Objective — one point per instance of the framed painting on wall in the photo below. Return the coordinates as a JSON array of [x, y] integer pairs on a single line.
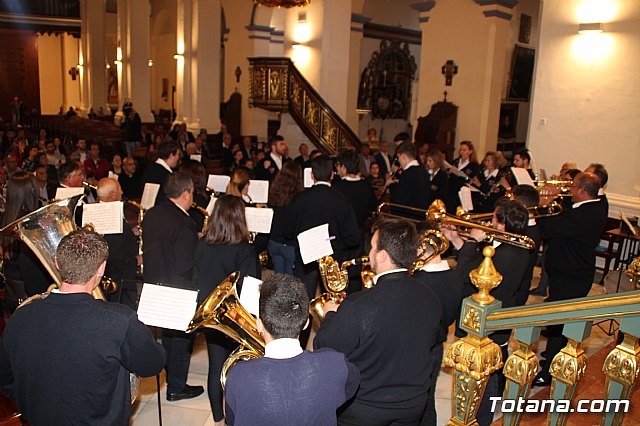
[[508, 120], [521, 73]]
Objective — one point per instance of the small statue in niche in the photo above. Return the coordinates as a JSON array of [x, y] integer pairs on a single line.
[[364, 90]]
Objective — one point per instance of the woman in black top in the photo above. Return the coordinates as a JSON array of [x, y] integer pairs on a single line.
[[201, 198], [438, 178], [286, 185], [488, 181], [223, 249]]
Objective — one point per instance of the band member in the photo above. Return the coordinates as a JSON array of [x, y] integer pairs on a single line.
[[599, 170], [447, 284], [158, 172], [70, 175], [370, 327], [223, 250], [66, 358], [170, 238], [130, 179], [570, 261], [511, 262], [354, 187], [268, 167], [123, 260], [438, 178], [288, 385], [522, 159], [412, 188], [488, 182]]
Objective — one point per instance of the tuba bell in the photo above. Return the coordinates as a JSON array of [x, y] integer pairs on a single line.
[[222, 311], [438, 243]]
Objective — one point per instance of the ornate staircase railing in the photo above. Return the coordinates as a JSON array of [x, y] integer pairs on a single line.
[[277, 85], [475, 356]]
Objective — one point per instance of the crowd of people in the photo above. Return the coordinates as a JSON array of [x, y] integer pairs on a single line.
[[376, 356]]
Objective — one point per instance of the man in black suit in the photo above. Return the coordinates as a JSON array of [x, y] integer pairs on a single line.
[[447, 284], [357, 190], [530, 197], [268, 167], [599, 170], [170, 238], [123, 260], [318, 205], [130, 179], [46, 191], [303, 159], [412, 187], [371, 327], [511, 262], [159, 172], [383, 159], [570, 261]]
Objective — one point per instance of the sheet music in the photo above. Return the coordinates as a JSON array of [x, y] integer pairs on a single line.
[[259, 191], [250, 294], [212, 202], [196, 157], [308, 180], [465, 198], [106, 218], [149, 195], [259, 219], [167, 307], [218, 182], [315, 243], [522, 176], [626, 220], [112, 175], [447, 166], [64, 193]]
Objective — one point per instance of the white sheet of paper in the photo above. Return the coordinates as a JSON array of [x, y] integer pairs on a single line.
[[522, 176], [259, 191], [106, 218], [196, 157], [149, 195], [64, 193], [212, 202], [250, 294], [315, 243], [471, 188], [465, 198], [308, 180], [626, 220], [259, 219], [218, 182], [167, 307], [112, 175], [448, 166]]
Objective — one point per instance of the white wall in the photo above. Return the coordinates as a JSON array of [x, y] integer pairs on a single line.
[[586, 94]]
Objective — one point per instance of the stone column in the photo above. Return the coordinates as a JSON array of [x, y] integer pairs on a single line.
[[133, 53], [92, 54]]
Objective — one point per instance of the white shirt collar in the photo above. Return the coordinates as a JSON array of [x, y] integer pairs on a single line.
[[277, 159], [390, 271], [180, 207], [352, 178], [532, 221], [494, 173], [164, 164], [443, 265], [411, 164], [600, 192], [576, 205], [321, 182], [463, 164], [432, 173], [495, 244], [282, 348]]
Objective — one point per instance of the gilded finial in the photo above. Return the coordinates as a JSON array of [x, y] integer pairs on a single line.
[[485, 278]]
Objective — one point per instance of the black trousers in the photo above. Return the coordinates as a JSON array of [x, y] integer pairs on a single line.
[[179, 346], [219, 347], [357, 414], [430, 417]]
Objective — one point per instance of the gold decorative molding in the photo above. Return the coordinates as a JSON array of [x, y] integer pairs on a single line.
[[569, 365], [471, 317], [522, 365], [485, 278], [623, 362]]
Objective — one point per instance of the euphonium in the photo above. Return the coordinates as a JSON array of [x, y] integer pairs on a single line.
[[438, 243], [366, 274], [222, 311], [335, 279], [205, 213], [438, 213]]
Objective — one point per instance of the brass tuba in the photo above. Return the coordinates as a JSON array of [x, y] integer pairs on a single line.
[[438, 213], [222, 311], [438, 243]]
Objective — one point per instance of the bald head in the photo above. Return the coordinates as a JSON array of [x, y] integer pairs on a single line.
[[585, 187], [109, 190]]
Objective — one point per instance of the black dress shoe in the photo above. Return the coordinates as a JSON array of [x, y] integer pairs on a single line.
[[540, 382], [187, 393]]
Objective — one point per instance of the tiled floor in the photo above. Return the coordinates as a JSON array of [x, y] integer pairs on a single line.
[[197, 411]]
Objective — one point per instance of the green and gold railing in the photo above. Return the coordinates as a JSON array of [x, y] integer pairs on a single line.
[[475, 356], [275, 84]]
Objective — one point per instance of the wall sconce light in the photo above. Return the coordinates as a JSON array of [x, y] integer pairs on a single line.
[[302, 30], [117, 62], [150, 62], [591, 28], [107, 65], [178, 56]]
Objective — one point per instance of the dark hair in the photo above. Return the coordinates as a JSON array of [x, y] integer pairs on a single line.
[[601, 172], [573, 173], [350, 160], [274, 140], [240, 177], [526, 194], [177, 183], [166, 148], [286, 185], [227, 224], [402, 136], [436, 155], [22, 196], [399, 239], [513, 214], [473, 158], [408, 149], [322, 168], [524, 154], [80, 254], [590, 182], [284, 306], [197, 173], [66, 169]]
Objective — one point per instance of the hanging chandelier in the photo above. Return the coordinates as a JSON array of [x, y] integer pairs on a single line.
[[282, 3]]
